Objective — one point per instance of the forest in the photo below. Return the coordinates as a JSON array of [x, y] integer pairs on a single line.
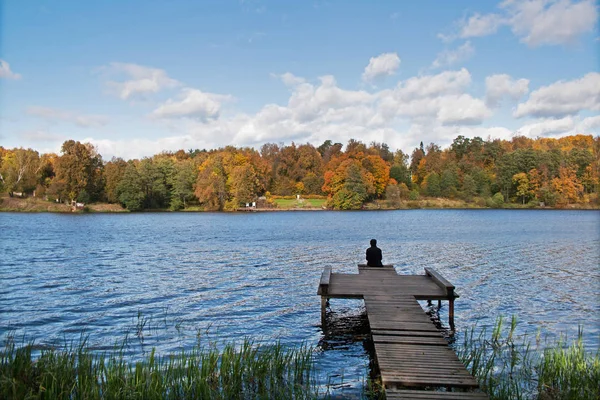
[[492, 173]]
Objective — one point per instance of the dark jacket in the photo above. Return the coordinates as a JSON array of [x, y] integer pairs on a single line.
[[374, 256]]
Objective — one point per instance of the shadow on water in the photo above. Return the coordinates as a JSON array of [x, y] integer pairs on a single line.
[[343, 327]]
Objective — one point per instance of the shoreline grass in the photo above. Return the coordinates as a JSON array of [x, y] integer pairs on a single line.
[[511, 368], [35, 205], [247, 371], [506, 366]]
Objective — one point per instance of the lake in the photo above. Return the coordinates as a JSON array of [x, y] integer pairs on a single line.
[[166, 280]]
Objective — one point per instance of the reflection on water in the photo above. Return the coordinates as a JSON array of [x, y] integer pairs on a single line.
[[229, 276]]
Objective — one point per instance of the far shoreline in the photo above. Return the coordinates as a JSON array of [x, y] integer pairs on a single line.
[[31, 205]]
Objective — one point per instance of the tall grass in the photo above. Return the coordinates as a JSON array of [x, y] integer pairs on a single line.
[[247, 371], [511, 368]]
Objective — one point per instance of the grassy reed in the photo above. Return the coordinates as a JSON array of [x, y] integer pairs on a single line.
[[247, 371], [507, 368]]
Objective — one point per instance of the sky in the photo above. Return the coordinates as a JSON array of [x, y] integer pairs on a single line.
[[136, 78]]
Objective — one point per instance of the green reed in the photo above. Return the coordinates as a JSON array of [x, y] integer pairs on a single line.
[[511, 368], [247, 371]]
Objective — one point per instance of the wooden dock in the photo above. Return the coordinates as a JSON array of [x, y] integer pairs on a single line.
[[409, 350]]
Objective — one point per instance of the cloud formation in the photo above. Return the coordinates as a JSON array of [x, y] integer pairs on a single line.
[[451, 57], [500, 86], [548, 127], [548, 22], [54, 115], [534, 22], [6, 73], [137, 80], [433, 107], [481, 25], [383, 65], [289, 79], [563, 98], [192, 103]]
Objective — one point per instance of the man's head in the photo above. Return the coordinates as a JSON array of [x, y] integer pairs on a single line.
[[373, 242]]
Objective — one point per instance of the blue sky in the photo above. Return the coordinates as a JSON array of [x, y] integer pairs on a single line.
[[139, 77]]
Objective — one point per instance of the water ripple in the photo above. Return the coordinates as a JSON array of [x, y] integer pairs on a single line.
[[167, 279]]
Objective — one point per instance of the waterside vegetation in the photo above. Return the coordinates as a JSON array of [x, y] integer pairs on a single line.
[[247, 371], [471, 172], [506, 366]]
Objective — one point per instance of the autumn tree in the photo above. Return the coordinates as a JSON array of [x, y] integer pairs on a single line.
[[469, 187], [431, 185], [449, 182], [348, 186], [211, 184], [590, 179], [130, 190], [378, 172], [113, 174], [328, 150], [243, 183], [18, 170], [567, 185], [80, 171], [416, 161], [521, 181], [182, 183], [382, 150], [399, 170]]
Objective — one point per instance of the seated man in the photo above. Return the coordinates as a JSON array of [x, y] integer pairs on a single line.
[[374, 256]]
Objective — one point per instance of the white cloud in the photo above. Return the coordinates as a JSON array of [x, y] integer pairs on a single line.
[[501, 85], [569, 125], [563, 98], [539, 22], [534, 22], [139, 80], [432, 108], [42, 136], [443, 135], [193, 103], [547, 127], [6, 73], [316, 112], [289, 79], [450, 57], [480, 25], [55, 114], [138, 148], [383, 65], [590, 124], [447, 82], [462, 110], [308, 102]]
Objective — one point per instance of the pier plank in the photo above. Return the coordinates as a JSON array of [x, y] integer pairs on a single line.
[[410, 351], [396, 394]]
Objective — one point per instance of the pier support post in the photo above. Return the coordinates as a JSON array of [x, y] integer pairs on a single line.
[[323, 290], [323, 311], [451, 313]]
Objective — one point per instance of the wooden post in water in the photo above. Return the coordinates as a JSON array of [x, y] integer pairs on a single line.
[[451, 313], [444, 284], [323, 291]]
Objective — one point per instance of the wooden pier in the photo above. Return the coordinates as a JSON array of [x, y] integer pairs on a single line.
[[409, 350]]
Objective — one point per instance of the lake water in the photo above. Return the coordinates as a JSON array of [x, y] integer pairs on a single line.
[[167, 278]]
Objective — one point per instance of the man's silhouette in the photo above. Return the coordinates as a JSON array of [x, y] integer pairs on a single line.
[[374, 256]]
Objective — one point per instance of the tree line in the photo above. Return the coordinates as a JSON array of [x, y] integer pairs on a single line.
[[490, 172]]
